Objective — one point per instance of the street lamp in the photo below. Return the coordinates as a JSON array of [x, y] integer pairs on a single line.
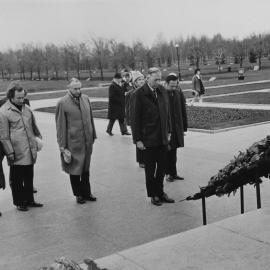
[[178, 61]]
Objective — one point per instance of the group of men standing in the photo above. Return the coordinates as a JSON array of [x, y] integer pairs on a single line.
[[158, 120], [156, 115]]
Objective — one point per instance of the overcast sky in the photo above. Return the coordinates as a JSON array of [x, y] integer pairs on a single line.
[[58, 21]]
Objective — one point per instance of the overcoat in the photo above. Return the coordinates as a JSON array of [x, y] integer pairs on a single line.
[[76, 132], [18, 132], [129, 105], [151, 121], [178, 117], [197, 85], [116, 106]]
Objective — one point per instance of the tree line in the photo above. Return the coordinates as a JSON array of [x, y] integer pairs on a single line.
[[82, 59]]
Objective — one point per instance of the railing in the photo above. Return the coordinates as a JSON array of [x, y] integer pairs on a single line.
[[242, 205]]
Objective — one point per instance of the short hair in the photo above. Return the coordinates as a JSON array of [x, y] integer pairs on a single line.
[[153, 70], [196, 70], [14, 86], [171, 77]]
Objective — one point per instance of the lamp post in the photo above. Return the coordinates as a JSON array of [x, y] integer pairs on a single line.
[[178, 61]]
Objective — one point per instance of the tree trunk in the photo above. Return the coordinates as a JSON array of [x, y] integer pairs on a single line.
[[101, 71], [47, 72], [260, 61]]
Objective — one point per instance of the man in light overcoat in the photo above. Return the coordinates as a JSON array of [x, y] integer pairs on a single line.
[[18, 135], [75, 136]]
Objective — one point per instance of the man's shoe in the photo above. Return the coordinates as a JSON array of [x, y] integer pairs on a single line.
[[22, 208], [34, 204], [165, 198], [156, 201], [126, 133], [177, 177], [80, 200], [90, 198], [169, 178], [34, 190], [110, 133]]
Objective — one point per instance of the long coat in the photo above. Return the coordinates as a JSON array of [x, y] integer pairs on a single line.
[[197, 85], [116, 107], [75, 132], [18, 132], [178, 117], [151, 122]]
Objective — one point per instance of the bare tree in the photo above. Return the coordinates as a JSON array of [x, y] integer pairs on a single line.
[[100, 53]]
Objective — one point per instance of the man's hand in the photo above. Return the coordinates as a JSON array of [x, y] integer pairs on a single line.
[[169, 136], [140, 145], [11, 157]]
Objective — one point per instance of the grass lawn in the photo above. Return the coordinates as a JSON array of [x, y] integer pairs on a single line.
[[199, 117], [39, 86], [103, 91], [249, 98], [232, 89]]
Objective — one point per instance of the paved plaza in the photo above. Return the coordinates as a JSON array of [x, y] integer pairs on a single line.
[[122, 217]]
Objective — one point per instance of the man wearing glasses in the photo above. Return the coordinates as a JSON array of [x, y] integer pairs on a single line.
[[179, 125], [151, 133]]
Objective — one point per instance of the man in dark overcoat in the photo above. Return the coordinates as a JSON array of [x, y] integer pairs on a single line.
[[179, 125], [76, 135], [151, 132], [116, 106]]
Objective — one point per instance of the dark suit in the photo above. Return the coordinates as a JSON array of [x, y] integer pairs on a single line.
[[116, 107], [179, 126], [151, 125]]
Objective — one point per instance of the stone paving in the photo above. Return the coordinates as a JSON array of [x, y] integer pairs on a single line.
[[122, 217]]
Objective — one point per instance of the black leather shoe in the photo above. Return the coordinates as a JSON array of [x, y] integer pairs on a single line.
[[90, 198], [156, 201], [177, 177], [165, 198], [110, 133], [34, 204], [126, 133], [169, 178], [22, 208], [80, 200]]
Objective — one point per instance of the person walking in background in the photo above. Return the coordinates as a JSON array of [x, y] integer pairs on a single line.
[[198, 89], [138, 81], [18, 132], [116, 106], [75, 136], [151, 132], [178, 125]]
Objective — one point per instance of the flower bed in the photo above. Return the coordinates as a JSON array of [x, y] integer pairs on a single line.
[[199, 117]]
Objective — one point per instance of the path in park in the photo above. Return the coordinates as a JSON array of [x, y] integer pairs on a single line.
[[122, 217]]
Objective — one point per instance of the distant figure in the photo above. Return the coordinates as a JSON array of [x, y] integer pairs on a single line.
[[76, 135], [197, 86], [116, 106], [18, 132], [179, 125], [151, 133]]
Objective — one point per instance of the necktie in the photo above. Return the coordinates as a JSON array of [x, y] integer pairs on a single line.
[[155, 93]]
